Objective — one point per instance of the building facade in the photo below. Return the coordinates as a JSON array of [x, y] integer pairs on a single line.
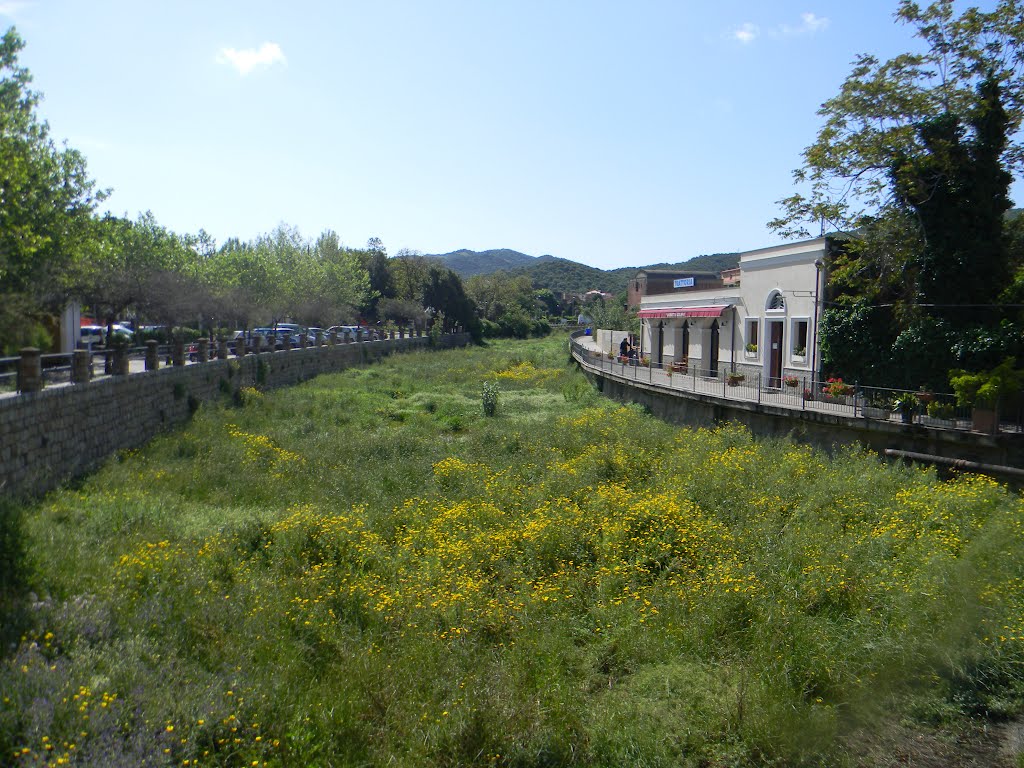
[[763, 321]]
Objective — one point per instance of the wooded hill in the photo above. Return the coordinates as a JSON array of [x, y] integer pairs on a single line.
[[564, 275]]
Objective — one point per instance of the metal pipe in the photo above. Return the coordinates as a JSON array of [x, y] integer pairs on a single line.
[[974, 466]]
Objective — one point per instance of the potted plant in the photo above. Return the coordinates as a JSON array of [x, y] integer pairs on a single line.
[[982, 391], [733, 378], [751, 349], [836, 387], [790, 381], [906, 405], [800, 352], [939, 414]]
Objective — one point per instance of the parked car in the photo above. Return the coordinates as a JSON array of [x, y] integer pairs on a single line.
[[96, 334], [277, 335], [345, 332]]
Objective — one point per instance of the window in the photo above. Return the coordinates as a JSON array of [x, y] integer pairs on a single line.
[[799, 337], [776, 302], [751, 335]]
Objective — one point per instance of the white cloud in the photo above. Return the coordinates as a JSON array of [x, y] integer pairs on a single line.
[[809, 24], [12, 7], [248, 59], [746, 33]]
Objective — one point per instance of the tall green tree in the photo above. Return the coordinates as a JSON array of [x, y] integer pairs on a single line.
[[912, 167], [46, 202]]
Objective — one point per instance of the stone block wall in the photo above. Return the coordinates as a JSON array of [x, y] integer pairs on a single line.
[[60, 432]]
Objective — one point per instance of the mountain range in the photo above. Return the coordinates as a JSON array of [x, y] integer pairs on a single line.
[[563, 275]]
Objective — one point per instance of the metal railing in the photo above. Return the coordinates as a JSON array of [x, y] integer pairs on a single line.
[[798, 392]]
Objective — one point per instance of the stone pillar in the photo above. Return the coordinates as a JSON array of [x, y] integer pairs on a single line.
[[222, 350], [333, 338], [319, 338], [120, 361], [257, 344], [303, 340], [287, 342], [152, 355], [204, 350], [240, 346], [81, 366], [30, 370], [178, 353]]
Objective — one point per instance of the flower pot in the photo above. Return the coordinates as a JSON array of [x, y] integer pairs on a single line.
[[985, 419]]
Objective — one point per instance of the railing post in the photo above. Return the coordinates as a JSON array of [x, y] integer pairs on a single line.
[[333, 338], [81, 366], [152, 355], [203, 350], [120, 361], [178, 353], [30, 370], [856, 394], [240, 346], [758, 387], [222, 349], [803, 395]]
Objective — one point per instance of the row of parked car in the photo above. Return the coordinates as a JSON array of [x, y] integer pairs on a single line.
[[96, 335]]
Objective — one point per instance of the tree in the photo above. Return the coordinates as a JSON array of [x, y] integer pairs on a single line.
[[882, 106], [46, 202], [912, 167]]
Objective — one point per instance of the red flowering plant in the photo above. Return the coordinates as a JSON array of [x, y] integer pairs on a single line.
[[836, 387]]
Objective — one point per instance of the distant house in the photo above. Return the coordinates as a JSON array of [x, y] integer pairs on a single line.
[[761, 319]]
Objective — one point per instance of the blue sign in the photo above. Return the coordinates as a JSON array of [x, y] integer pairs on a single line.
[[683, 282]]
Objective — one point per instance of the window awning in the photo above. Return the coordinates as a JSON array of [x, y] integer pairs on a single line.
[[715, 310]]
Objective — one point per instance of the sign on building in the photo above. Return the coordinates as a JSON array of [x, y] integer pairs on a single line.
[[683, 282]]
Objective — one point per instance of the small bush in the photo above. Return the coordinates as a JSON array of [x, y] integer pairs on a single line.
[[489, 396]]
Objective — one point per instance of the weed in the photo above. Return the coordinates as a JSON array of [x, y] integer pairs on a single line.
[[336, 575]]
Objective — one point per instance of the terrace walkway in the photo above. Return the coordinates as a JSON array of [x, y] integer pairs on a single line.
[[865, 417]]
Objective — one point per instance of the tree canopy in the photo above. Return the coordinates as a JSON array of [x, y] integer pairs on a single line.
[[46, 202], [912, 168]]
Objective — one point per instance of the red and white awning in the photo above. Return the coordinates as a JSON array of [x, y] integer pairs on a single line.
[[714, 310]]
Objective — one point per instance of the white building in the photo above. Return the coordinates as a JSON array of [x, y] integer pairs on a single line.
[[766, 323]]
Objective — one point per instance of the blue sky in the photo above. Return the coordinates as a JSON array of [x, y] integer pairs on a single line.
[[609, 133]]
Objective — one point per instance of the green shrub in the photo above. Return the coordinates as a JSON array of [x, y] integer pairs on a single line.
[[489, 396]]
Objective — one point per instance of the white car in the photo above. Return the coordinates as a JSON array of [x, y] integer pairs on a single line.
[[94, 334]]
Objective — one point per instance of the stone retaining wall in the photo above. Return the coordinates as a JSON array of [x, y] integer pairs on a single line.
[[64, 431]]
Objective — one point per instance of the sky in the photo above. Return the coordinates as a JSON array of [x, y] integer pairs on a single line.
[[610, 133]]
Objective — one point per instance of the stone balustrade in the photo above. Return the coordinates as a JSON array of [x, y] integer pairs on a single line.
[[51, 433]]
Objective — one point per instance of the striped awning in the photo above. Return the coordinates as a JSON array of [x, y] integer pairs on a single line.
[[715, 310]]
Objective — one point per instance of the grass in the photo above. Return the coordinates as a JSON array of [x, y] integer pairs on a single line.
[[366, 569]]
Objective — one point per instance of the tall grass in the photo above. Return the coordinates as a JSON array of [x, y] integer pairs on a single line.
[[367, 570]]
